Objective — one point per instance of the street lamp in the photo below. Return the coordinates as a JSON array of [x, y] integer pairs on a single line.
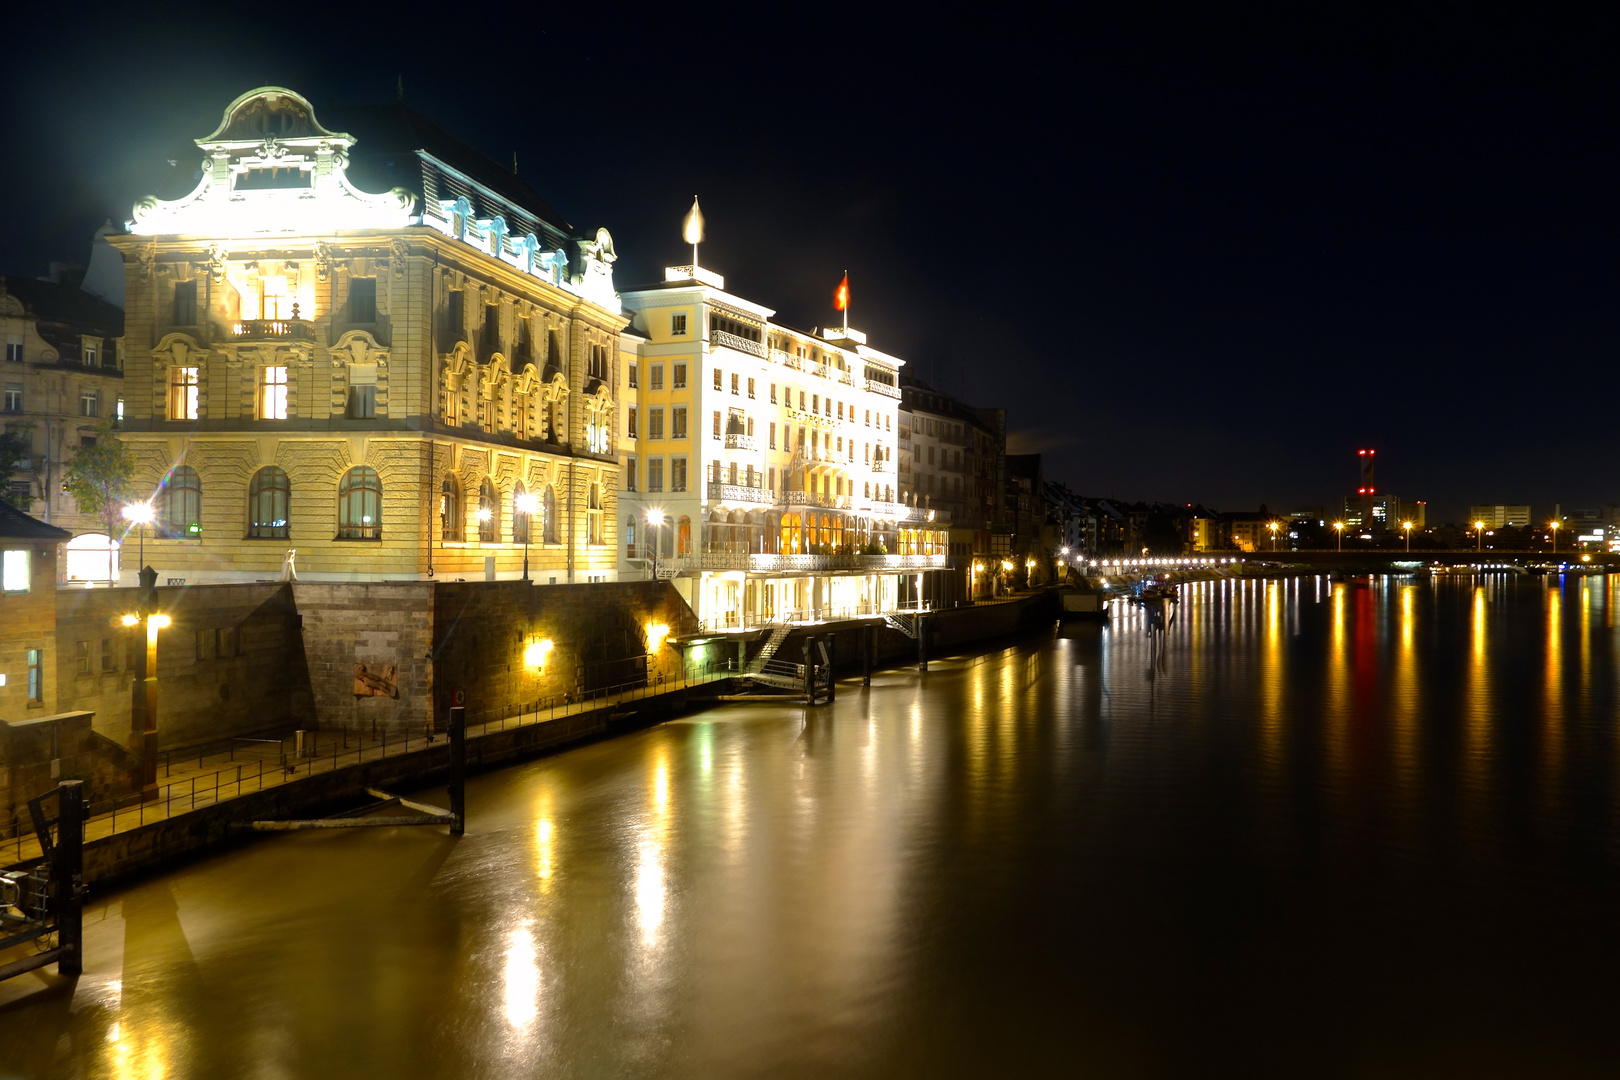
[[1272, 525], [1407, 525], [527, 505], [655, 518], [140, 515], [1553, 525], [1479, 536], [1338, 527], [143, 707]]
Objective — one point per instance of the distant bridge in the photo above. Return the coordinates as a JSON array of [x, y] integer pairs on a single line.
[[1382, 559]]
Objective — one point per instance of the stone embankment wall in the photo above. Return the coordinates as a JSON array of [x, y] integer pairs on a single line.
[[38, 753]]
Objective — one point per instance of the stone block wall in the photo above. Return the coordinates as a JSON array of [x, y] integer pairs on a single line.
[[38, 753], [230, 663], [345, 624]]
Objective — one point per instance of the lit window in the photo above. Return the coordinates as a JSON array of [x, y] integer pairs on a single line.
[[183, 393], [14, 571], [360, 504], [273, 393], [275, 302], [268, 495]]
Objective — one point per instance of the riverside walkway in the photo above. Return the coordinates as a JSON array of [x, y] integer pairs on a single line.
[[200, 779]]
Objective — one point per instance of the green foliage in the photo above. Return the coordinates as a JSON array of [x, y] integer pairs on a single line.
[[16, 445], [99, 477]]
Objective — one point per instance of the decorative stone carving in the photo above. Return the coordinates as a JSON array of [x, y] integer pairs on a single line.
[[217, 258], [323, 261], [400, 250], [146, 258]]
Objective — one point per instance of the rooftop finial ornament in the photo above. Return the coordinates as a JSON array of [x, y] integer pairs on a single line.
[[692, 230]]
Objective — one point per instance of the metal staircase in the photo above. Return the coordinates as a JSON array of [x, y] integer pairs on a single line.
[[774, 642], [906, 624]]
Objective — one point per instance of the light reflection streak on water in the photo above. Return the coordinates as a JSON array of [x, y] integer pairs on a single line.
[[520, 978], [650, 843], [1273, 679], [1552, 687], [1336, 706], [1406, 693]]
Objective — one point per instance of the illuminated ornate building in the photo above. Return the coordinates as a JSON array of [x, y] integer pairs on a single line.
[[764, 456], [369, 343]]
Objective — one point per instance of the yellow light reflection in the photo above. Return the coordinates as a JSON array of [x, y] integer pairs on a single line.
[[520, 981]]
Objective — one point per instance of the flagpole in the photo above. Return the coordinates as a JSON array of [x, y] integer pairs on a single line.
[[846, 303]]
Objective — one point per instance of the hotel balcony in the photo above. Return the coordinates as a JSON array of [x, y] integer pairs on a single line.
[[273, 330], [740, 494], [882, 388], [721, 339], [789, 564], [736, 440], [816, 498], [880, 465]]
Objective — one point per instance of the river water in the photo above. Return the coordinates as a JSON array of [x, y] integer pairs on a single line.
[[1362, 828]]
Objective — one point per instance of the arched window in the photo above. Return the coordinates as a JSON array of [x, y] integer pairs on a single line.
[[520, 520], [548, 516], [489, 513], [268, 498], [360, 504], [181, 510], [451, 516]]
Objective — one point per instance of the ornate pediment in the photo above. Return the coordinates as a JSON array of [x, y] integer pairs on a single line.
[[358, 347], [178, 350], [459, 360], [556, 389], [528, 380], [271, 168]]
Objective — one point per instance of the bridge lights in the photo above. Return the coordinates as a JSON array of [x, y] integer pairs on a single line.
[[1407, 527]]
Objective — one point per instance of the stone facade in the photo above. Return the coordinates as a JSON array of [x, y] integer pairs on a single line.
[[370, 380]]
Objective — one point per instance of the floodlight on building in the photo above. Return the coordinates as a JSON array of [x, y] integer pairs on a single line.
[[536, 653]]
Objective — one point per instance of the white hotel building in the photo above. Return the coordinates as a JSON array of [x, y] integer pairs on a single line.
[[760, 461]]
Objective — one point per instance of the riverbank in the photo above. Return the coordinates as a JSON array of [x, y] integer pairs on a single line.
[[208, 808]]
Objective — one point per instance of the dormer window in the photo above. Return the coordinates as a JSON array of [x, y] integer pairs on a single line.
[[272, 179]]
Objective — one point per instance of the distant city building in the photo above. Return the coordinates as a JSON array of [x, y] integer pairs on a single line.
[[64, 375], [1385, 510], [1499, 516]]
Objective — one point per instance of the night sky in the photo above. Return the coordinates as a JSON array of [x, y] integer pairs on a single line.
[[1199, 257]]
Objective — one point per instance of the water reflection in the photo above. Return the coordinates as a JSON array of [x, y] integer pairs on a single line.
[[1282, 843]]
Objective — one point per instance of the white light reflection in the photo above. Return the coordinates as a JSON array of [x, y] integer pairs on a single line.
[[520, 982]]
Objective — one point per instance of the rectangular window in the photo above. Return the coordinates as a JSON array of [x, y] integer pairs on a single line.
[[36, 675], [677, 474], [491, 339], [109, 659], [14, 571], [680, 376], [773, 436], [840, 410], [719, 379], [771, 483], [657, 380], [109, 354], [455, 314], [655, 423], [363, 300], [734, 383], [185, 303], [630, 422], [89, 355], [750, 387], [633, 383], [205, 644], [182, 393], [14, 349], [13, 397], [630, 473], [228, 641], [677, 325], [81, 658], [773, 393], [717, 423], [731, 474], [868, 417], [655, 474], [815, 402], [677, 422], [363, 402], [273, 393], [801, 401]]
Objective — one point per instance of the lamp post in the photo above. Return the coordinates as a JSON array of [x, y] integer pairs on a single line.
[[655, 518], [143, 705], [140, 515], [1338, 527], [527, 504], [1553, 525], [1407, 526], [1272, 525], [1479, 536]]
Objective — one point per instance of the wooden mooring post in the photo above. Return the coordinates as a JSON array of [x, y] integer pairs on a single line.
[[458, 770]]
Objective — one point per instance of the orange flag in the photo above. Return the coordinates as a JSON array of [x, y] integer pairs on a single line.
[[841, 295]]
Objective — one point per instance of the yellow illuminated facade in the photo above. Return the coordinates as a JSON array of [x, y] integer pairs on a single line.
[[764, 458], [375, 376]]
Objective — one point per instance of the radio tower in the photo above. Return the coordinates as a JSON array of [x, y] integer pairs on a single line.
[[1366, 488]]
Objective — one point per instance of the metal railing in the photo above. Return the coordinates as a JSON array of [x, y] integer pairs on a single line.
[[882, 388], [736, 440], [328, 751], [816, 498], [738, 343], [740, 493]]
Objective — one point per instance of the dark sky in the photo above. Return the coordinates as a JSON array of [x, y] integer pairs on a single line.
[[1196, 255]]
